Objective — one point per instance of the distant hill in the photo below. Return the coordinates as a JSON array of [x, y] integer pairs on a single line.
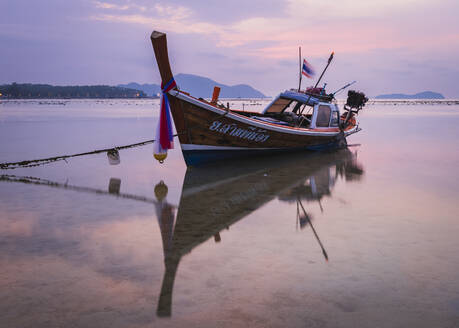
[[420, 95], [199, 86], [150, 89], [40, 91]]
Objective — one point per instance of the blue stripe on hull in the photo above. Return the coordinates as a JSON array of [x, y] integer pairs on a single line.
[[199, 157]]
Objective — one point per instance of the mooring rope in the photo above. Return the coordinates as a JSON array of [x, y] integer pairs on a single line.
[[43, 161], [53, 184]]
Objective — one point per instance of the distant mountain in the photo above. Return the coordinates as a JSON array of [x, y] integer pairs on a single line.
[[420, 95], [150, 89], [199, 86], [40, 91]]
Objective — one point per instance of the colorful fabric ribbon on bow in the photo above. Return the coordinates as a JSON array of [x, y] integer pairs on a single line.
[[164, 137]]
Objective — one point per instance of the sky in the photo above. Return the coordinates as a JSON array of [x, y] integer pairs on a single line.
[[388, 46]]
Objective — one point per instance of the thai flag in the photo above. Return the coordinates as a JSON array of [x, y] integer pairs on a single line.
[[307, 71]]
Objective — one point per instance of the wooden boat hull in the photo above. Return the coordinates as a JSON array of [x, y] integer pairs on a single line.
[[208, 133]]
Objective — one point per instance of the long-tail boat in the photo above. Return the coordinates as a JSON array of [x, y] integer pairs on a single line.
[[294, 120]]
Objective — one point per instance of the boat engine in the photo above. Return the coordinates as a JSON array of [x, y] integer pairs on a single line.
[[356, 100]]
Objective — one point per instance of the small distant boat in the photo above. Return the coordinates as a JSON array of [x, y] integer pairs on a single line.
[[294, 120]]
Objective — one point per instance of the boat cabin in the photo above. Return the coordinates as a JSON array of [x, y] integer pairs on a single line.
[[301, 110]]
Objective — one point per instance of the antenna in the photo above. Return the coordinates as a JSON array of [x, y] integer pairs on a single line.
[[301, 75], [328, 63], [346, 86]]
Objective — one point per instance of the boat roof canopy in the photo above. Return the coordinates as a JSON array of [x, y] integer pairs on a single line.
[[283, 100], [300, 97]]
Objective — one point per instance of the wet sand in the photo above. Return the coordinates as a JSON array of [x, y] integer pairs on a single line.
[[366, 237]]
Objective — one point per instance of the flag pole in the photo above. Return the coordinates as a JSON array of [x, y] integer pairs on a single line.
[[299, 59]]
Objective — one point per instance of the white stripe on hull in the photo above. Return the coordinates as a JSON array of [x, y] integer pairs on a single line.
[[206, 147], [187, 147]]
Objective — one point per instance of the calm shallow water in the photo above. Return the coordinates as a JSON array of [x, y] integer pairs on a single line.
[[86, 244]]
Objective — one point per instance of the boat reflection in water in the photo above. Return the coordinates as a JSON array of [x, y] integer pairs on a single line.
[[215, 197]]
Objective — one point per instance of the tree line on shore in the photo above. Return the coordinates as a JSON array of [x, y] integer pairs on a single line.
[[40, 91]]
